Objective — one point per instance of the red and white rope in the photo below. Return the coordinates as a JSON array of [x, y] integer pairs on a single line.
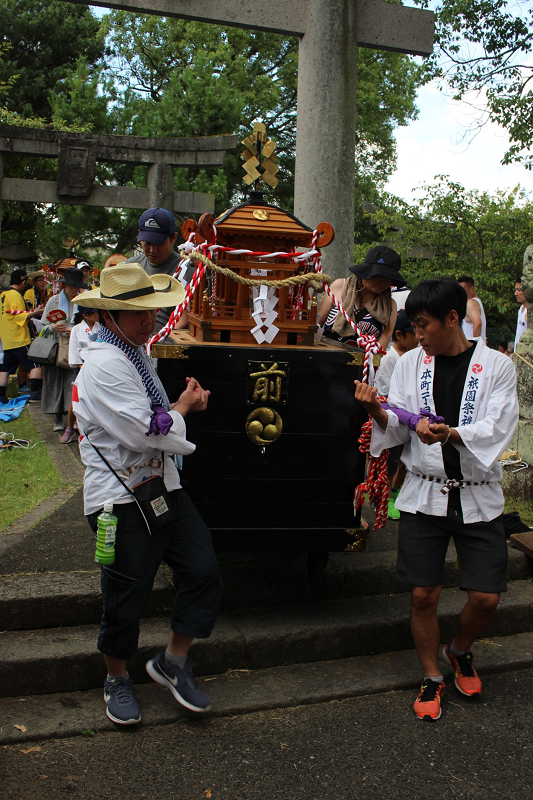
[[15, 313], [178, 311], [376, 483]]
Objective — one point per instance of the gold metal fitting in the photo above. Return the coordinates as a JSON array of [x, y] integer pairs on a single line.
[[359, 543]]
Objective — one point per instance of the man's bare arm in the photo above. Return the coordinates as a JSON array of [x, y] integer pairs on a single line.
[[472, 310], [367, 396]]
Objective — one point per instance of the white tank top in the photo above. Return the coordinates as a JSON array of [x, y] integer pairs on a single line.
[[521, 324], [468, 327]]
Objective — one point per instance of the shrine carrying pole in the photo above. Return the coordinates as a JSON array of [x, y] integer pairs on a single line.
[[330, 32]]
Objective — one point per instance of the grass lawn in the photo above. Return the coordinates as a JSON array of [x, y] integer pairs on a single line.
[[26, 476]]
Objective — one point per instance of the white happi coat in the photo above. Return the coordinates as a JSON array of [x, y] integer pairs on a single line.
[[488, 417], [113, 408]]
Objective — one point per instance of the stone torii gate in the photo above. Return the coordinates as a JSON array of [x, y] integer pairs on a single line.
[[77, 154], [330, 32]]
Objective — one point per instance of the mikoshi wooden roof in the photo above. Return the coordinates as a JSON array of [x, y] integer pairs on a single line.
[[263, 220]]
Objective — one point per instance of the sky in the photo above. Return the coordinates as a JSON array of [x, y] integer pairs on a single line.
[[431, 146]]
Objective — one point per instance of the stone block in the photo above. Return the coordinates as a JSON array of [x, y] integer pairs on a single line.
[[524, 439], [519, 484], [523, 361], [76, 166]]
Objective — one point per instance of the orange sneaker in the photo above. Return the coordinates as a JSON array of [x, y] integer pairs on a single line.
[[466, 677], [427, 704]]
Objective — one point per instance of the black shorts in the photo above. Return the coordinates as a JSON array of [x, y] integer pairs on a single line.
[[15, 357], [481, 549]]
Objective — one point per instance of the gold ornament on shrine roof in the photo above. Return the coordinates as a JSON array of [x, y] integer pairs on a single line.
[[70, 244], [259, 159]]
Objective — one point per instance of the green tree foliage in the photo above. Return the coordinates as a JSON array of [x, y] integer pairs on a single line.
[[46, 38], [484, 55], [450, 230], [41, 42]]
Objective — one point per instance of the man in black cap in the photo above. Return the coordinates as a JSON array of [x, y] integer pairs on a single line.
[[157, 235], [15, 334]]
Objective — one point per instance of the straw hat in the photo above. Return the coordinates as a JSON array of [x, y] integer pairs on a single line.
[[115, 260], [33, 275], [128, 287]]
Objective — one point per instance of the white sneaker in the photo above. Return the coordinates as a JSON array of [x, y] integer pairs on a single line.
[[58, 426]]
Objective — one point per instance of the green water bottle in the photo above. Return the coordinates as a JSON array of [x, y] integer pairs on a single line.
[[106, 536]]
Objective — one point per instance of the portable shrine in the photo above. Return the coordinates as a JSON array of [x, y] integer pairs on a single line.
[[277, 457]]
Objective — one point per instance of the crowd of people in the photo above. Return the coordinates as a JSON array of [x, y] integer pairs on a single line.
[[451, 409]]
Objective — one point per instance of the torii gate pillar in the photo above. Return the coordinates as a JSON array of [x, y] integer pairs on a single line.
[[325, 136]]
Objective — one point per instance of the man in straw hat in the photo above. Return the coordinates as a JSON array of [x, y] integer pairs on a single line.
[[35, 294], [125, 417]]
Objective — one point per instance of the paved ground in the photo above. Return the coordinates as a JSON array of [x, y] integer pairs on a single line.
[[367, 748]]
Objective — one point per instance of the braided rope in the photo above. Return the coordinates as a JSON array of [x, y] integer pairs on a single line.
[[376, 483], [315, 282]]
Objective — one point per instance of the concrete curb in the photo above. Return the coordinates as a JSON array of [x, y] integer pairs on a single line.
[[62, 599], [16, 532], [42, 661], [244, 691], [49, 600]]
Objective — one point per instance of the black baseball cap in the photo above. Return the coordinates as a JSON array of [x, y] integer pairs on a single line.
[[156, 225], [18, 275], [381, 260], [403, 323]]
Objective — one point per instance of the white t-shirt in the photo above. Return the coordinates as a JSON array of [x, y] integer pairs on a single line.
[[386, 368], [468, 327], [79, 342], [521, 324], [401, 295]]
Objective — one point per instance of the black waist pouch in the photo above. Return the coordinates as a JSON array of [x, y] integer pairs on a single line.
[[152, 498], [155, 503]]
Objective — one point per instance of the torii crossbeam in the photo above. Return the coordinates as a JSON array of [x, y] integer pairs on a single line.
[[330, 32]]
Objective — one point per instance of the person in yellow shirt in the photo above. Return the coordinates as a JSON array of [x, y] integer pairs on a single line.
[[15, 334]]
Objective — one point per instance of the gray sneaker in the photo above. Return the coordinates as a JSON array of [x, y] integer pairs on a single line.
[[122, 706], [180, 682]]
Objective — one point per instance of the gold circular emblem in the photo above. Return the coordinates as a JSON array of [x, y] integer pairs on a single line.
[[261, 213], [263, 426]]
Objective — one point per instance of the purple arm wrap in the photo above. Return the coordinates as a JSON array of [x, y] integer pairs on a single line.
[[411, 420], [160, 421]]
